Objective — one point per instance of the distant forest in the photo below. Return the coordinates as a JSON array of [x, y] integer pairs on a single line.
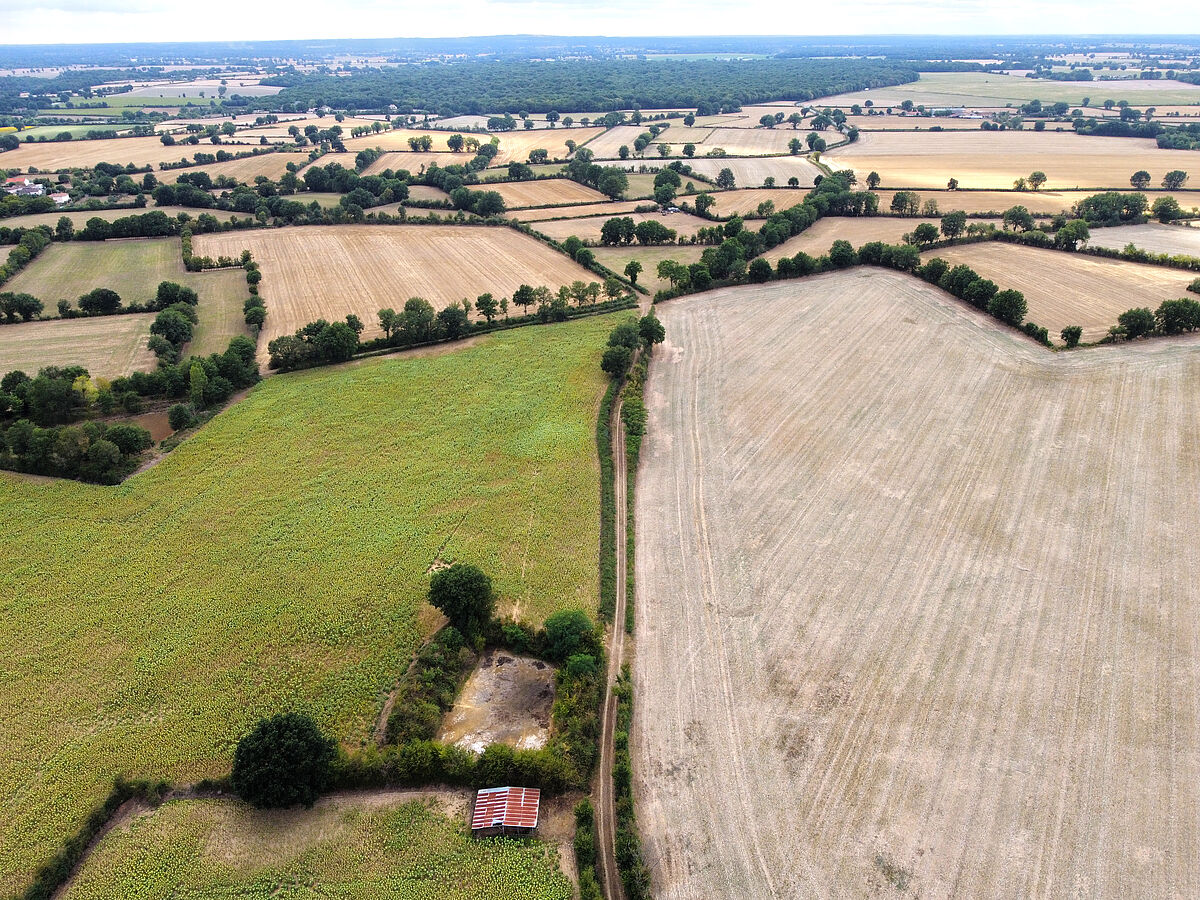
[[583, 85]]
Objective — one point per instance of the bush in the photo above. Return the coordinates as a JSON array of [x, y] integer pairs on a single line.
[[567, 633], [464, 595], [180, 416], [284, 761], [1137, 322], [1071, 335]]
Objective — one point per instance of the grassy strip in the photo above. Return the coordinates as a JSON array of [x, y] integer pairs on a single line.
[[634, 873], [55, 873], [608, 507], [633, 415]]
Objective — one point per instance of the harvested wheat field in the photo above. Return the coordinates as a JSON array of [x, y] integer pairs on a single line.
[[915, 617], [397, 139], [746, 202], [588, 229], [107, 346], [1172, 239], [752, 172], [397, 161], [515, 145], [994, 159], [53, 155], [1037, 202], [606, 144], [425, 192], [327, 272], [613, 208], [817, 238], [551, 192], [79, 217], [1071, 288], [751, 141], [245, 170]]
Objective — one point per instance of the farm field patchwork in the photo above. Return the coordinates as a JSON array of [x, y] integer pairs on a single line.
[[325, 272], [397, 161], [515, 145], [988, 690], [353, 847], [974, 89], [51, 156], [1071, 288], [323, 498], [106, 347], [994, 159]]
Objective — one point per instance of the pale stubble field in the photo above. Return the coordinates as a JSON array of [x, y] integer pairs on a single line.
[[915, 603]]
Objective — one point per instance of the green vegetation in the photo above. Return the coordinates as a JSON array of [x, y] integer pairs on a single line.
[[208, 848], [277, 561], [285, 761]]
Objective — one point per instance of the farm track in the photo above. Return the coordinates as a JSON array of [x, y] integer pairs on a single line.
[[606, 825]]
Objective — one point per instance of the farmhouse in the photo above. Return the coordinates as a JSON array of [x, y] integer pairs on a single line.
[[505, 810], [23, 187]]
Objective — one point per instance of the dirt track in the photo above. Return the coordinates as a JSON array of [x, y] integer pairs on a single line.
[[917, 610]]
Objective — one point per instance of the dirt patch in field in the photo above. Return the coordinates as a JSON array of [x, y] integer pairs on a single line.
[[506, 700], [156, 423]]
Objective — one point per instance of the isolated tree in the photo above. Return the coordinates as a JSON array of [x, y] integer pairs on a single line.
[[1137, 322], [464, 595], [872, 180], [1071, 335], [689, 149], [285, 761], [486, 306], [1018, 218], [623, 151], [953, 224], [1140, 179], [952, 184], [906, 203], [651, 329], [1175, 179], [180, 416], [1072, 234], [704, 202], [1036, 180], [99, 302], [633, 269], [725, 180], [1166, 209], [453, 321]]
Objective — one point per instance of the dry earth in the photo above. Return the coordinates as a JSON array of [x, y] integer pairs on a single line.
[[1154, 238], [327, 272], [915, 605], [608, 210], [507, 700], [994, 159], [1064, 289]]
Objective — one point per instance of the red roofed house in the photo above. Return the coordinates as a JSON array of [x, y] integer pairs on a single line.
[[505, 810]]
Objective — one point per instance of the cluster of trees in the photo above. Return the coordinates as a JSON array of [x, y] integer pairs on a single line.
[[608, 180], [623, 230], [19, 307], [1184, 137], [91, 451], [965, 283], [1171, 317], [32, 243], [316, 344], [626, 338], [602, 84], [173, 326]]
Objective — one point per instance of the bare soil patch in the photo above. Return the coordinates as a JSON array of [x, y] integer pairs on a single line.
[[922, 600], [506, 700]]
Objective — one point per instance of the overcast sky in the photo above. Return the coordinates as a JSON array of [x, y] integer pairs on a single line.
[[97, 21]]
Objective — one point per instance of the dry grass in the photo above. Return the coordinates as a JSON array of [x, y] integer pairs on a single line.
[[107, 347], [1154, 238], [272, 165], [752, 141], [51, 156], [613, 208], [80, 216], [817, 239], [412, 162], [1037, 202], [553, 192], [746, 202], [588, 229], [926, 598], [425, 192], [994, 159], [616, 258], [1071, 288], [327, 272], [752, 172], [515, 145], [606, 144]]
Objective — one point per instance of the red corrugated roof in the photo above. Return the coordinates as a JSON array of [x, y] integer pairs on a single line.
[[507, 807]]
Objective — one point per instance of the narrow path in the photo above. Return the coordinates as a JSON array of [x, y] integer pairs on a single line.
[[606, 827]]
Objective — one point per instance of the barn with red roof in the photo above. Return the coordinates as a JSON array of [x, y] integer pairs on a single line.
[[505, 810]]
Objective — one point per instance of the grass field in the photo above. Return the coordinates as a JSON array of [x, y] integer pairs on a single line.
[[1152, 237], [391, 847], [1071, 289], [927, 597], [946, 89], [108, 347], [327, 272], [588, 228], [517, 194], [994, 159], [616, 258], [280, 562], [52, 156]]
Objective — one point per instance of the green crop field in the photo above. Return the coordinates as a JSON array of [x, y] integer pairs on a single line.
[[403, 851], [133, 269], [278, 560]]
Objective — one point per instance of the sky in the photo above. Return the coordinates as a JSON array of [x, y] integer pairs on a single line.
[[107, 21]]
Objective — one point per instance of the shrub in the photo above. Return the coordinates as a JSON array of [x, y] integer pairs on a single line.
[[464, 595], [180, 416], [1071, 335], [1137, 322], [284, 761], [567, 633]]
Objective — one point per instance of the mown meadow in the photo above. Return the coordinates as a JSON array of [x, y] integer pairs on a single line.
[[409, 851], [278, 560]]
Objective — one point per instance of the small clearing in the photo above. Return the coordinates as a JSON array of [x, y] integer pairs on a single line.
[[506, 700]]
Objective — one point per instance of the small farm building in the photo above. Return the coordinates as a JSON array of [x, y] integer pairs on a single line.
[[505, 810]]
